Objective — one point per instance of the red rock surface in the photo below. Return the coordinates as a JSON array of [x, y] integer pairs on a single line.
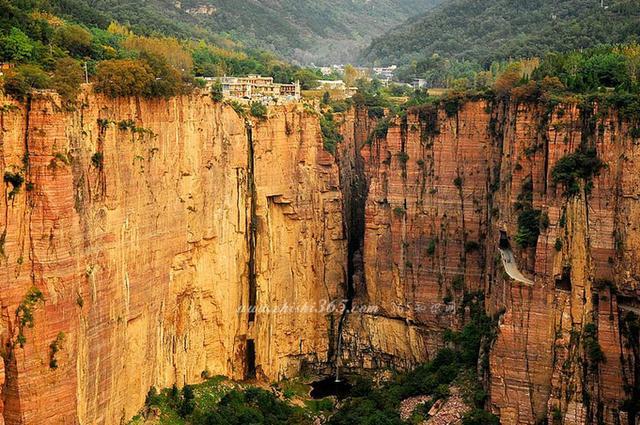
[[537, 362], [143, 262]]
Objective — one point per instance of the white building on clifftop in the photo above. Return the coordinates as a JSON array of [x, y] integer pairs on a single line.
[[258, 88]]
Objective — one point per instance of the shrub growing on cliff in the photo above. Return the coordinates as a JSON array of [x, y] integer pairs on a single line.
[[403, 157], [471, 246], [452, 104], [380, 131], [24, 312], [583, 164], [16, 181], [592, 346], [330, 134], [216, 92], [558, 244], [258, 110], [54, 347], [431, 247], [238, 107], [97, 160], [528, 228]]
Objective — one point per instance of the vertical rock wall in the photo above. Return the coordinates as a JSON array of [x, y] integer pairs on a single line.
[[144, 231], [133, 223], [442, 184]]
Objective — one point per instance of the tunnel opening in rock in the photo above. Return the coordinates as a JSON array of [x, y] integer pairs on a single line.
[[627, 303], [563, 282], [251, 359], [330, 387], [504, 240]]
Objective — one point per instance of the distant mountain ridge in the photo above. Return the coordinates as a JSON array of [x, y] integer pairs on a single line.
[[487, 30], [320, 31]]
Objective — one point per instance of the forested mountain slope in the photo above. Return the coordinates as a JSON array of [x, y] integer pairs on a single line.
[[489, 30], [321, 31]]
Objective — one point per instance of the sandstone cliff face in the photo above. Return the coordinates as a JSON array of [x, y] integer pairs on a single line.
[[144, 230], [140, 223], [418, 222], [441, 187]]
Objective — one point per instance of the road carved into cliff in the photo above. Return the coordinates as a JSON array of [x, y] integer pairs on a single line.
[[635, 310], [511, 267]]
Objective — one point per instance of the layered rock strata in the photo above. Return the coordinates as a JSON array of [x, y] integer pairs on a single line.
[[138, 239], [444, 185], [138, 234]]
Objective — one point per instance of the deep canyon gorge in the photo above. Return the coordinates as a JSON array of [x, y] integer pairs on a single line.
[[133, 230]]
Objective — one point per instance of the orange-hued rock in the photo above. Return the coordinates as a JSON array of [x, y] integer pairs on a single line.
[[438, 182], [300, 248], [135, 222], [149, 227], [425, 230]]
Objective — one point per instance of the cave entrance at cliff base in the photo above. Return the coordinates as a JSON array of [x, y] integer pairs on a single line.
[[330, 387], [251, 359]]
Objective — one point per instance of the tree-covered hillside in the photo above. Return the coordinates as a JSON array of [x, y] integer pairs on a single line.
[[321, 31], [484, 31], [47, 47]]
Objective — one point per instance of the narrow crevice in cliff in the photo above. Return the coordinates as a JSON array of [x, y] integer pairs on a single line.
[[354, 187], [248, 343], [29, 184], [252, 225]]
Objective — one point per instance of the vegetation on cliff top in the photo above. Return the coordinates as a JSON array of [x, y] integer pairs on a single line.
[[330, 132], [50, 52]]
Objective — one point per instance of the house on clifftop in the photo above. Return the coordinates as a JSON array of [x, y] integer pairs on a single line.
[[258, 89]]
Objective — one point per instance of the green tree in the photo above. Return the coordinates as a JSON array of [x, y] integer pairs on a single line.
[[326, 98], [350, 75], [167, 81], [188, 401], [16, 46], [74, 39], [20, 81], [216, 92], [67, 78], [258, 110], [124, 77], [308, 79]]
